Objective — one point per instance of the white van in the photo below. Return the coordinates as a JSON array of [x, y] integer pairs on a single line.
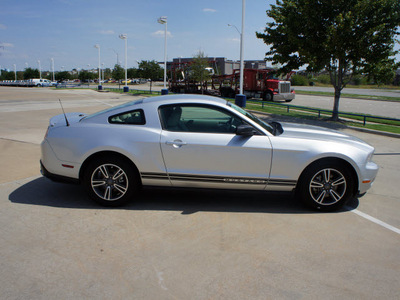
[[39, 82]]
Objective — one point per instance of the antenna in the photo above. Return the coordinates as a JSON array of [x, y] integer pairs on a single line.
[[65, 116]]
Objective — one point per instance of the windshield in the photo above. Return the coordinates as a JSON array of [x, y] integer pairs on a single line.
[[252, 117]]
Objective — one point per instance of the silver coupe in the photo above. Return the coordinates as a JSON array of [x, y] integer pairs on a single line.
[[203, 142]]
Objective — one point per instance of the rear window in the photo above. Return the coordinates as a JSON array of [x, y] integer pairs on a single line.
[[135, 117]]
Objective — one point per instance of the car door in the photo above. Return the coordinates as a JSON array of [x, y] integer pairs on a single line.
[[201, 149]]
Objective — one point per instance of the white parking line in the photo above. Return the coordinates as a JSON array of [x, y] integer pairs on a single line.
[[376, 221], [105, 103]]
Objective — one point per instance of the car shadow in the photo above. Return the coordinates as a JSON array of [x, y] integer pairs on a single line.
[[42, 191]]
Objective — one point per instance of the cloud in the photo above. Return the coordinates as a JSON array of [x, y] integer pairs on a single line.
[[2, 26], [107, 31], [211, 10], [160, 33], [6, 45]]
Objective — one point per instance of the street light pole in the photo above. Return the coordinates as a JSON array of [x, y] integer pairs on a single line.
[[15, 71], [115, 54], [40, 70], [52, 67], [240, 99], [100, 86], [125, 37], [241, 49], [163, 20]]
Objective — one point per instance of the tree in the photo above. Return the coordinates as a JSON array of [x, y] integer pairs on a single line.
[[344, 37], [118, 73], [30, 73], [5, 75], [133, 73], [107, 73], [61, 76], [198, 69], [85, 75], [150, 69]]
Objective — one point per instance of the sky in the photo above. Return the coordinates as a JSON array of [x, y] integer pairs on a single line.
[[68, 30]]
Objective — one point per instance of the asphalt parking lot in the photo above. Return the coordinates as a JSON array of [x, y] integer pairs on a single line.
[[178, 244]]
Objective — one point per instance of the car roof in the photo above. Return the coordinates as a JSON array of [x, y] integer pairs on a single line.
[[159, 100]]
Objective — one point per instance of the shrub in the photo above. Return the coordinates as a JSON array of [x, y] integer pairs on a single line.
[[299, 80], [324, 79]]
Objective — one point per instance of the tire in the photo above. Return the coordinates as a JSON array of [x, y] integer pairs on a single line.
[[268, 96], [111, 181], [326, 185]]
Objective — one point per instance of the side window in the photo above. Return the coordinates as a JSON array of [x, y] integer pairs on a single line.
[[198, 118], [135, 117]]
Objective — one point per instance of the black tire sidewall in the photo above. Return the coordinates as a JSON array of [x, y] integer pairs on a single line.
[[311, 171], [133, 181], [268, 96]]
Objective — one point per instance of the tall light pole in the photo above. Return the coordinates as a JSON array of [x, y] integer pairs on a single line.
[[15, 71], [240, 98], [52, 68], [115, 54], [97, 46], [241, 49], [40, 70], [124, 36], [163, 20]]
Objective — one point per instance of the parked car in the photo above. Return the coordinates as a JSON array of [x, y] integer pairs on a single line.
[[39, 82], [203, 142]]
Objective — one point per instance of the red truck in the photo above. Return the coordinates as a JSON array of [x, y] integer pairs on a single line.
[[257, 83]]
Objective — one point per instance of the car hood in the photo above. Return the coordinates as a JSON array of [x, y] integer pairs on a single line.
[[60, 120], [301, 131]]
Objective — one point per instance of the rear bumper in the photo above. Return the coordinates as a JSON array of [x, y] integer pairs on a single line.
[[55, 177]]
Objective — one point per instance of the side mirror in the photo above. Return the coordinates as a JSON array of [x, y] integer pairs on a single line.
[[245, 130]]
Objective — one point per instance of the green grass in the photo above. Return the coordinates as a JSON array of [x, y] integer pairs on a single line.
[[355, 96], [134, 92]]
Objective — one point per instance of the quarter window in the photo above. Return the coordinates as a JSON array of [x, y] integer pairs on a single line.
[[135, 117]]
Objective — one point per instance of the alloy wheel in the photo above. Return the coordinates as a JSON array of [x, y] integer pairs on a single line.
[[109, 182]]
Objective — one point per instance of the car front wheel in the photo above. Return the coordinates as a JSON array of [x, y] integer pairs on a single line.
[[111, 181], [326, 186]]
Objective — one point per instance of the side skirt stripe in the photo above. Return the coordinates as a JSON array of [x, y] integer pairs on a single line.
[[218, 179]]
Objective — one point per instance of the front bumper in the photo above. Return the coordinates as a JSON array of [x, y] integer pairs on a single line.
[[284, 97], [368, 177]]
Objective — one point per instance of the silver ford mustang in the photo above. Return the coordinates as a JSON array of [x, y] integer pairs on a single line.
[[203, 142]]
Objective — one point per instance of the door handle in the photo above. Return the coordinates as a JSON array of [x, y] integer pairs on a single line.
[[176, 143]]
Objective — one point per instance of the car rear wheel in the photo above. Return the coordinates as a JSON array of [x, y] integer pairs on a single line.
[[111, 181], [326, 186]]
